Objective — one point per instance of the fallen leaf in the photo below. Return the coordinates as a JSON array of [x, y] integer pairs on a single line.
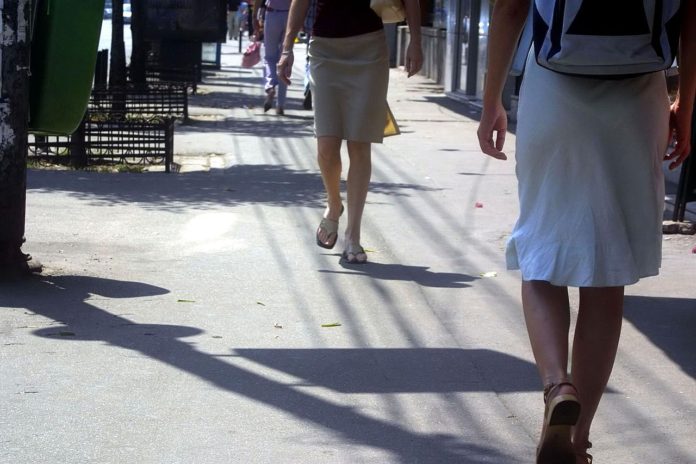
[[260, 304], [489, 274], [332, 324], [277, 325], [185, 301], [479, 204], [217, 336], [694, 250]]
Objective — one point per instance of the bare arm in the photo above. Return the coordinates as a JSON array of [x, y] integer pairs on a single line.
[[258, 4], [296, 18], [683, 107], [506, 26], [414, 52]]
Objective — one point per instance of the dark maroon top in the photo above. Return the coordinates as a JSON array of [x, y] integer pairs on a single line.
[[345, 18]]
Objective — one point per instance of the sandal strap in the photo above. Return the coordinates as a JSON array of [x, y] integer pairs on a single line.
[[329, 225], [582, 453], [548, 388]]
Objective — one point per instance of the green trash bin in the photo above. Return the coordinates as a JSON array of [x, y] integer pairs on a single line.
[[63, 56]]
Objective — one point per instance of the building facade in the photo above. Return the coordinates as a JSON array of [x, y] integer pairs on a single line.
[[455, 39], [466, 24]]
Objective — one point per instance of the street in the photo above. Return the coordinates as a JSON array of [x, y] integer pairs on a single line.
[[191, 318]]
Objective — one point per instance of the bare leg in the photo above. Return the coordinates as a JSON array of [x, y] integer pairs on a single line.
[[547, 315], [329, 158], [358, 182], [594, 350]]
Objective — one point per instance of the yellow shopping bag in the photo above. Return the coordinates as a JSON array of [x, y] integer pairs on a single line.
[[391, 127]]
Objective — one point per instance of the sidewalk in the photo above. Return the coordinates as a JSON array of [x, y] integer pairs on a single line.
[[190, 318]]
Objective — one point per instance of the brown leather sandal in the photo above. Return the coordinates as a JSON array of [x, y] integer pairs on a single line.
[[582, 456], [561, 414]]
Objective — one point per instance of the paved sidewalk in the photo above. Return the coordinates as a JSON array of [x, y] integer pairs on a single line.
[[190, 318]]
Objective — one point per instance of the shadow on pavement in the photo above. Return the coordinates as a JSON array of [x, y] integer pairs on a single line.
[[468, 110], [66, 299], [390, 370], [274, 185], [418, 274], [669, 323], [276, 127]]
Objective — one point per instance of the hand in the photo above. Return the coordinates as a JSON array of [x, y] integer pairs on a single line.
[[680, 133], [493, 119], [284, 68], [414, 58]]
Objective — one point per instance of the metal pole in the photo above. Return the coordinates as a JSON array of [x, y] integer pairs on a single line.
[[14, 111]]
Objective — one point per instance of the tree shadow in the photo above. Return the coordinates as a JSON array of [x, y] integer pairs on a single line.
[[275, 127], [273, 185], [670, 323], [418, 274], [232, 81], [389, 370], [236, 99], [67, 300]]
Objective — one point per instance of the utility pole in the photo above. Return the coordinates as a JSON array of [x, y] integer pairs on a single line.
[[14, 112], [117, 70], [140, 46]]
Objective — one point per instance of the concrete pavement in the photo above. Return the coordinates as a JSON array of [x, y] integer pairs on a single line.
[[190, 318]]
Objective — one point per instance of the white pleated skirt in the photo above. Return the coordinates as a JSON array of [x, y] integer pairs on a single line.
[[589, 166]]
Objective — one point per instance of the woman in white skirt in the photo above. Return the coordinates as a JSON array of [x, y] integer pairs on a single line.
[[589, 165], [349, 75]]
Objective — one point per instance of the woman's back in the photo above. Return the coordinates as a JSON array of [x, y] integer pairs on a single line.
[[345, 18]]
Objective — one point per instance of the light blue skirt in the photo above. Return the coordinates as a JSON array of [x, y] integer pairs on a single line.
[[589, 165]]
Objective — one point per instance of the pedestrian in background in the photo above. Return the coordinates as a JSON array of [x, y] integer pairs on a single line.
[[233, 19], [349, 75], [589, 165], [307, 28], [242, 13], [272, 16]]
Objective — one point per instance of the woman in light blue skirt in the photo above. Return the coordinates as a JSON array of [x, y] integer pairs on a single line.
[[589, 164]]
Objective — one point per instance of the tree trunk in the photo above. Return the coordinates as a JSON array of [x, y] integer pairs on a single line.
[[14, 111], [117, 71], [140, 45]]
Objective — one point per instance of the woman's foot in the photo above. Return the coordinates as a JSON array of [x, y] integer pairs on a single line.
[[561, 414], [354, 254], [327, 232], [280, 111]]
